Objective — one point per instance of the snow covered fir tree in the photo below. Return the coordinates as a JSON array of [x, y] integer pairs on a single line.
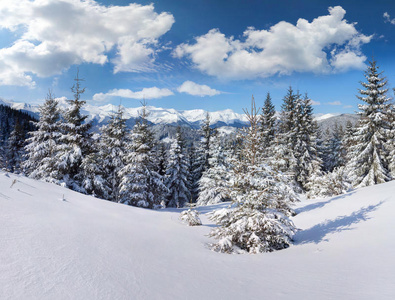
[[177, 173], [42, 144], [258, 219], [141, 184], [368, 157]]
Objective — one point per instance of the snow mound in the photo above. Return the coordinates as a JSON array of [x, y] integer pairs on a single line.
[[58, 244]]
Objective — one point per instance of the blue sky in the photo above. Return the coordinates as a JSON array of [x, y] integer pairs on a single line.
[[194, 54]]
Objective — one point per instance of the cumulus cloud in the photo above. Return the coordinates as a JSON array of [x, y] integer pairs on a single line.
[[52, 35], [328, 44], [195, 89], [387, 18], [335, 103], [145, 93]]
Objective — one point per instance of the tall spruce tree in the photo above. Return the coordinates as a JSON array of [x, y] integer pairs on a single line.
[[257, 219], [309, 163], [42, 144], [268, 122], [369, 155], [284, 157], [75, 141], [214, 183], [201, 156], [15, 148], [177, 173], [141, 184], [112, 151]]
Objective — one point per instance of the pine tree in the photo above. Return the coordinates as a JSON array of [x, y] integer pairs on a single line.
[[306, 152], [42, 143], [112, 150], [177, 173], [268, 122], [214, 183], [76, 141], [141, 185], [335, 149], [201, 155], [257, 220], [391, 142], [368, 156], [94, 180], [15, 149], [284, 159]]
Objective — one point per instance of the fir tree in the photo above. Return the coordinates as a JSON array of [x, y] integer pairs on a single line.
[[112, 150], [214, 183], [368, 156], [177, 173], [76, 141], [201, 156], [141, 185], [306, 152], [257, 221], [94, 176], [268, 121], [42, 143], [285, 160], [15, 149]]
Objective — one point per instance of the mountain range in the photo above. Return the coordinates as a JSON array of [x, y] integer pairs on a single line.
[[99, 115]]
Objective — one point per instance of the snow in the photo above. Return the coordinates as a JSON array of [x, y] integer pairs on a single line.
[[157, 115], [320, 117], [86, 248]]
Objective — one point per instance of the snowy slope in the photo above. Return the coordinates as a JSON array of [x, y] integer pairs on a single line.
[[85, 248]]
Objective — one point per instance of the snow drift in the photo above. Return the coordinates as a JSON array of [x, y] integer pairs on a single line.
[[58, 244]]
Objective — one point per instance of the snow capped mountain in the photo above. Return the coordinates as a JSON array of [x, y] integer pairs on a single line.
[[158, 116], [168, 116], [320, 117]]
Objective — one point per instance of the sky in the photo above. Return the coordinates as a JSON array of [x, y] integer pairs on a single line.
[[195, 54]]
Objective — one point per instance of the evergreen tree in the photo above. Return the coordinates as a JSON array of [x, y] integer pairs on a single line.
[[257, 220], [15, 149], [201, 155], [112, 150], [177, 173], [284, 156], [306, 152], [141, 185], [42, 143], [335, 149], [94, 180], [214, 183], [369, 155], [76, 141], [268, 122]]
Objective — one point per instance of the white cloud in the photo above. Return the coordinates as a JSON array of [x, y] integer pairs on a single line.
[[57, 34], [145, 93], [315, 103], [335, 103], [327, 44], [195, 89], [387, 18]]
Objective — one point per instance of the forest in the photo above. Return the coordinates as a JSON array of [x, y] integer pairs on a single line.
[[262, 170]]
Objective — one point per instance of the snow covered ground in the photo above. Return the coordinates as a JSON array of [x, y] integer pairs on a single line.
[[85, 248]]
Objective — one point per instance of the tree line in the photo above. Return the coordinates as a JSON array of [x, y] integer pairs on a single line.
[[260, 170]]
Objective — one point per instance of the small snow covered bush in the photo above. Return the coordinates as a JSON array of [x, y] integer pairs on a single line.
[[191, 217], [330, 184]]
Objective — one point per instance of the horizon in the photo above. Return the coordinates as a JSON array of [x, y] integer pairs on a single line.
[[209, 55]]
